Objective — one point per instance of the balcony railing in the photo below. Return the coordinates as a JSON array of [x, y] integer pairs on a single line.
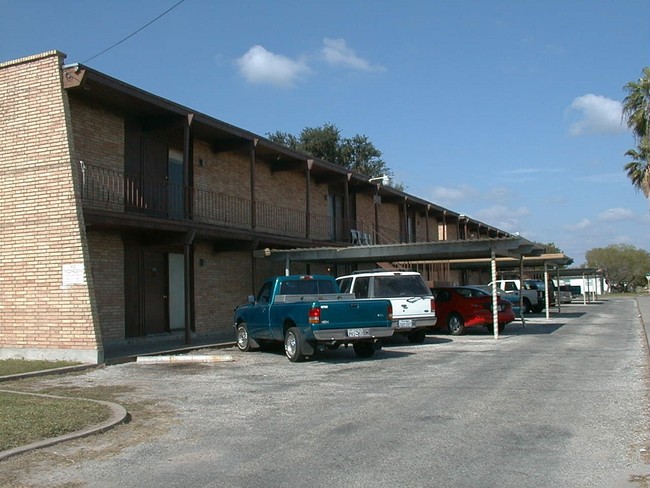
[[115, 191]]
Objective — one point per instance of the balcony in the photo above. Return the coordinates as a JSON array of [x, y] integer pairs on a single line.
[[116, 192]]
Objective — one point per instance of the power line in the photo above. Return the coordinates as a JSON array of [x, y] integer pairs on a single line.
[[134, 33]]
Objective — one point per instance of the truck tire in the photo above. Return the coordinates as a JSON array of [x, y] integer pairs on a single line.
[[243, 338], [293, 345], [455, 324], [527, 306], [417, 336], [364, 349]]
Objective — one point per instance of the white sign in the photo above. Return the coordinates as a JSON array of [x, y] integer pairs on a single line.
[[73, 274]]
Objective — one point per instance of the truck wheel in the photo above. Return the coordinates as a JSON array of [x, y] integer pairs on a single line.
[[417, 336], [455, 324], [243, 338], [293, 345], [527, 306], [364, 349]]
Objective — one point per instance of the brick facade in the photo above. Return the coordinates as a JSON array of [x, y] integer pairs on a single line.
[[47, 305], [76, 247]]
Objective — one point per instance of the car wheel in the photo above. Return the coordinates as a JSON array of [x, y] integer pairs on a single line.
[[293, 345], [243, 338], [455, 324], [417, 336], [364, 349]]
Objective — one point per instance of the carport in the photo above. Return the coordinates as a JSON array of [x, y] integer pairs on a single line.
[[514, 248], [530, 263]]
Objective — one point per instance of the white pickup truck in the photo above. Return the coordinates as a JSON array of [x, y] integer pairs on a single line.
[[534, 294], [414, 312]]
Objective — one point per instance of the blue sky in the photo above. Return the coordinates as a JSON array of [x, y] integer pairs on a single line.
[[507, 111]]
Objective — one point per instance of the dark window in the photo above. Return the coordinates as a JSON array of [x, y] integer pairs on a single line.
[[361, 286]]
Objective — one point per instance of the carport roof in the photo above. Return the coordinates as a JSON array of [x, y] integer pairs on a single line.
[[512, 247], [553, 259]]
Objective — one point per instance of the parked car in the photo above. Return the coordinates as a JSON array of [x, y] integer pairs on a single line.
[[512, 297], [414, 311], [534, 294], [460, 307], [563, 294]]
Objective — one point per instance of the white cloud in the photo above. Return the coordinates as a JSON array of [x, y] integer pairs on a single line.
[[261, 66], [598, 115], [337, 53], [616, 215], [582, 225], [505, 218], [446, 195]]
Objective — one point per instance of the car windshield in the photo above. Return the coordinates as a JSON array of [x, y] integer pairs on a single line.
[[400, 286], [472, 292]]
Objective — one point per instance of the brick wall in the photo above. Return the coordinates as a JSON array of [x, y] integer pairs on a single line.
[[221, 281], [47, 309], [98, 135], [107, 268]]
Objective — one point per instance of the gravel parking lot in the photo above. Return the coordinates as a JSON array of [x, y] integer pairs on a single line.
[[560, 402]]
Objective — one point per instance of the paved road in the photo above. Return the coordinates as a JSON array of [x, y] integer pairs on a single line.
[[559, 403]]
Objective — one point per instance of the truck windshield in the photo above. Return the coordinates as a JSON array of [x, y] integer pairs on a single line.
[[308, 287], [400, 286]]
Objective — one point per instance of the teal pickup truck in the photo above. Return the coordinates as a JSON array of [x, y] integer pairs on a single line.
[[309, 314]]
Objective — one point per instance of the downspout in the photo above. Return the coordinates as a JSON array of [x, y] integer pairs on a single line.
[[310, 163], [405, 226], [187, 247], [426, 221], [188, 169], [252, 183], [187, 258], [346, 206]]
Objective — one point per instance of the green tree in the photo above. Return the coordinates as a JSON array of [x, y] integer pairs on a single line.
[[623, 265], [550, 248], [357, 153], [636, 111]]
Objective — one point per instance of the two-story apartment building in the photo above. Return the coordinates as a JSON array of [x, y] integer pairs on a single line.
[[126, 216]]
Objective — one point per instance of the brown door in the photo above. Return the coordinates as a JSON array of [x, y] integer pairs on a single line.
[[154, 178], [155, 292]]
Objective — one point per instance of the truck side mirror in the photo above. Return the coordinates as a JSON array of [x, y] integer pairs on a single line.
[[251, 298]]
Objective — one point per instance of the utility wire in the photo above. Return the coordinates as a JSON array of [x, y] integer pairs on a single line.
[[134, 33]]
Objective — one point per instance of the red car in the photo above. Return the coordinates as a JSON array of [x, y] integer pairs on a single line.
[[460, 307]]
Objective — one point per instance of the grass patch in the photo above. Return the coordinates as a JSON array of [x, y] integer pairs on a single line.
[[26, 418], [17, 366]]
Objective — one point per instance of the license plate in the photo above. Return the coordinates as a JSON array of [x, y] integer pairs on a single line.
[[358, 332], [405, 324]]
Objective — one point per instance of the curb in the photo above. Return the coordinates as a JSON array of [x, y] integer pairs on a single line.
[[118, 416], [184, 359], [44, 372]]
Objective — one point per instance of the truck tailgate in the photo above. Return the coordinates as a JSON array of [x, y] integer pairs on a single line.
[[354, 314]]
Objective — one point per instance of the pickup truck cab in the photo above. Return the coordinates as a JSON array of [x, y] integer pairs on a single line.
[[414, 312], [533, 293], [308, 314]]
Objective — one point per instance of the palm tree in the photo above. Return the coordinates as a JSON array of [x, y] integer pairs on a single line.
[[636, 110], [638, 170]]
